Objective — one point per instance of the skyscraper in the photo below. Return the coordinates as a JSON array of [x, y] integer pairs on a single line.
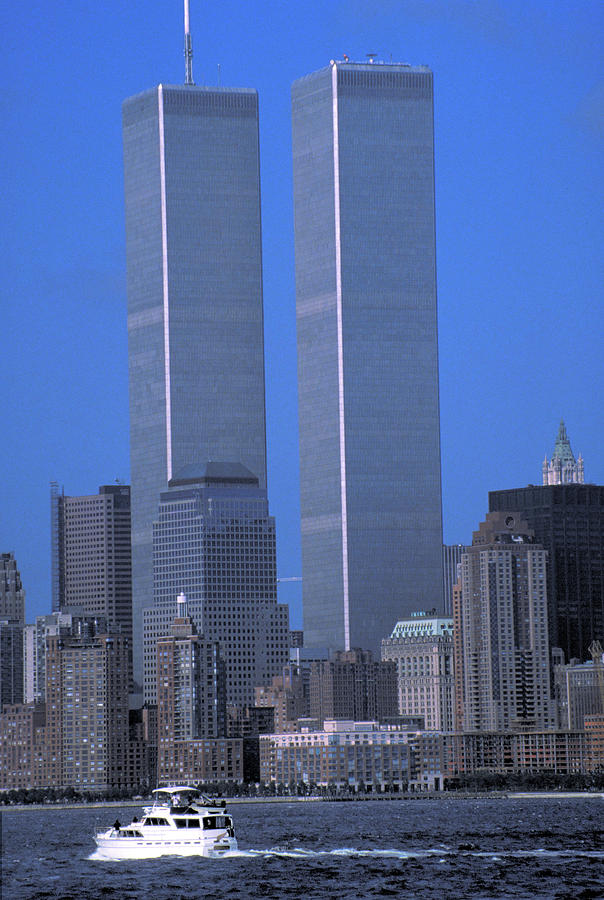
[[194, 280], [363, 148], [568, 521], [92, 556], [214, 541], [502, 622]]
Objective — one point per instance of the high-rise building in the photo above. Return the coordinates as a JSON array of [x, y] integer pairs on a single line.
[[11, 662], [422, 648], [87, 710], [352, 685], [194, 281], [568, 521], [363, 148], [69, 622], [563, 468], [12, 594], [504, 635], [287, 696], [451, 571], [191, 700], [214, 541], [92, 556]]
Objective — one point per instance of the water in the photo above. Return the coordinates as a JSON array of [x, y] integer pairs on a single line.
[[444, 848]]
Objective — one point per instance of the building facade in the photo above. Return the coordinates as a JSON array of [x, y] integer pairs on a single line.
[[87, 733], [91, 555], [451, 572], [191, 699], [568, 521], [352, 685], [363, 153], [288, 696], [194, 282], [422, 648], [504, 630], [214, 541], [563, 468], [352, 756], [12, 594]]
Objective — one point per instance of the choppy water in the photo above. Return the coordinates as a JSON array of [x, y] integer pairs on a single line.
[[542, 848]]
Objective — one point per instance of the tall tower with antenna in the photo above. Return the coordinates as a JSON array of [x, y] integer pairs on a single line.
[[188, 48], [194, 282]]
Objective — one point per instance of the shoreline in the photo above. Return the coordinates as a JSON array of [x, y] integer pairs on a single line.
[[435, 795]]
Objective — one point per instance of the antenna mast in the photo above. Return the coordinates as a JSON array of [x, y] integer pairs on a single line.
[[188, 48]]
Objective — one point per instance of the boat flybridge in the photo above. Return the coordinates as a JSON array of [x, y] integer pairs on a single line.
[[181, 822]]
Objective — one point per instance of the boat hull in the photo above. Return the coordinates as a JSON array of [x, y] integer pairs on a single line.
[[111, 847]]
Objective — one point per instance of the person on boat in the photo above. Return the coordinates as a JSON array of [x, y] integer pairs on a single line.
[[116, 825]]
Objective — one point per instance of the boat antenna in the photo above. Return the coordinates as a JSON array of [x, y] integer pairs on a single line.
[[188, 48]]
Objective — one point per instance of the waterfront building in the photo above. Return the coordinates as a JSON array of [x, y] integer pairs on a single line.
[[363, 160], [194, 284], [422, 648], [568, 522], [563, 468], [351, 756], [352, 685], [87, 711], [91, 554], [504, 629], [579, 692], [507, 753], [214, 541]]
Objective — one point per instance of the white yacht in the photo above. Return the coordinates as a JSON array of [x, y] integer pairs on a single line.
[[181, 822]]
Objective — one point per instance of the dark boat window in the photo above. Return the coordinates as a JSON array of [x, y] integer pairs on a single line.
[[209, 822], [180, 823], [193, 823]]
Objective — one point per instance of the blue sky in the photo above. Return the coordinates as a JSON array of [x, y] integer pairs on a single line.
[[519, 102]]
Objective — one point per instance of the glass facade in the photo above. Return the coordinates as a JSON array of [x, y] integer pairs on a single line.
[[195, 318], [215, 542], [363, 149]]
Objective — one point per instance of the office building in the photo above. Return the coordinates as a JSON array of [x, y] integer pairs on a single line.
[[12, 594], [91, 561], [214, 541], [568, 522], [504, 633], [422, 648], [579, 692], [363, 153], [563, 468], [351, 685], [194, 283]]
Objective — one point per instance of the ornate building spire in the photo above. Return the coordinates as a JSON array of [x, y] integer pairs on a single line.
[[563, 468]]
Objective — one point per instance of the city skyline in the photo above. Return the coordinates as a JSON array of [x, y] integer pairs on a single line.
[[518, 233]]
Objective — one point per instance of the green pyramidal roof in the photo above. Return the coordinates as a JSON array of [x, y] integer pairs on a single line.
[[562, 449]]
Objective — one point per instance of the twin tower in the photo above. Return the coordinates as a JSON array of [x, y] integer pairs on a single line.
[[363, 148]]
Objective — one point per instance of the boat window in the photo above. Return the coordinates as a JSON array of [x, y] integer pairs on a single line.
[[193, 823], [180, 823], [209, 822], [153, 820]]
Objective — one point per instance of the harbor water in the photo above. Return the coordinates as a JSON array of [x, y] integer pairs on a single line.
[[454, 848]]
